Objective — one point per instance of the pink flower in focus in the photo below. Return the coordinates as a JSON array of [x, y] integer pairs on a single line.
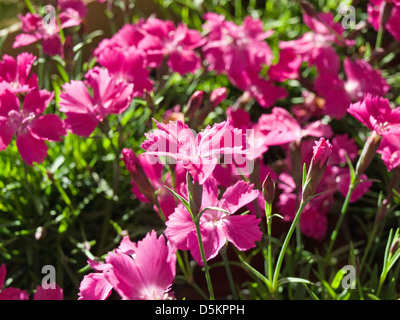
[[10, 293], [31, 127], [16, 72], [198, 154], [85, 111], [377, 115], [217, 227], [136, 271]]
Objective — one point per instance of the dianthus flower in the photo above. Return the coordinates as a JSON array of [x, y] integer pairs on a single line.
[[217, 227], [143, 270], [198, 154], [31, 127], [85, 111]]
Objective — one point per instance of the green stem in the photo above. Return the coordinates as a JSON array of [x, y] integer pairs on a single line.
[[340, 220], [203, 258], [286, 243], [229, 272], [268, 211]]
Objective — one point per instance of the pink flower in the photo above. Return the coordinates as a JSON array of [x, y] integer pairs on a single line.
[[280, 127], [389, 149], [162, 39], [234, 49], [376, 114], [31, 127], [362, 79], [95, 286], [10, 293], [314, 223], [85, 111], [130, 65], [34, 30], [287, 67], [315, 46], [342, 145], [313, 220], [49, 293], [197, 154], [241, 52], [343, 182], [136, 271], [217, 227], [16, 72], [392, 25]]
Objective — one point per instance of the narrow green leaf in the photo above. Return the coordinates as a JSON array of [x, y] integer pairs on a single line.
[[310, 292], [338, 279], [180, 198]]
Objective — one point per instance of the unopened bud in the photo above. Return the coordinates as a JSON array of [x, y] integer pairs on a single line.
[[137, 173], [368, 153], [308, 8], [395, 246], [217, 96], [195, 191], [268, 189], [194, 104], [321, 152]]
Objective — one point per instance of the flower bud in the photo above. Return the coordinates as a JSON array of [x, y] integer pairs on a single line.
[[321, 152], [368, 153], [268, 189], [217, 96], [137, 173], [195, 191], [194, 104]]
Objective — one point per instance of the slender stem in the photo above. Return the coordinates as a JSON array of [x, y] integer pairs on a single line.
[[286, 243], [268, 211], [229, 272], [340, 220], [203, 258]]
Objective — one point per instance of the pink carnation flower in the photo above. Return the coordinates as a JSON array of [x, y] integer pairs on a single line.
[[376, 114], [136, 271], [389, 149], [280, 127], [17, 72], [10, 293], [162, 39], [85, 111], [241, 53], [198, 154], [31, 127], [217, 227], [34, 29], [362, 79], [129, 65]]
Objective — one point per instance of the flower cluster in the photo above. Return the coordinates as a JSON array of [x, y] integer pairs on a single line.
[[213, 165]]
